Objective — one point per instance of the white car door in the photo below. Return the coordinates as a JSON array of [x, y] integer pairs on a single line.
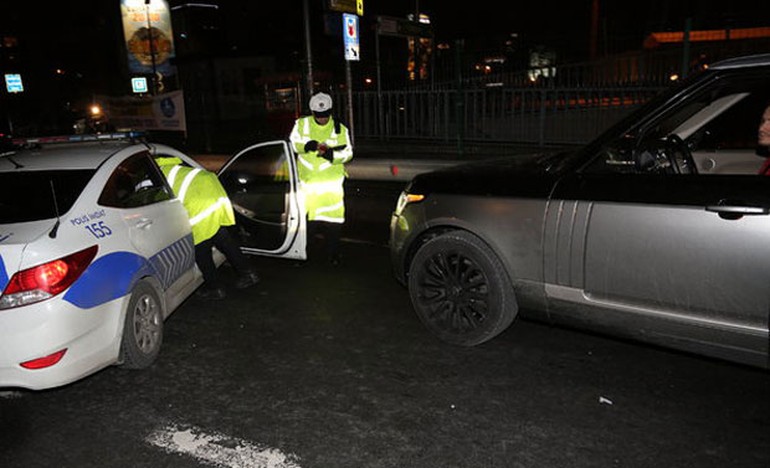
[[262, 183]]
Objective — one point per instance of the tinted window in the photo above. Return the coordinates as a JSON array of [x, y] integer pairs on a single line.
[[136, 182], [35, 195]]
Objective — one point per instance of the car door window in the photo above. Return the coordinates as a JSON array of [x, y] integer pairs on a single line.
[[258, 184], [714, 131], [135, 182]]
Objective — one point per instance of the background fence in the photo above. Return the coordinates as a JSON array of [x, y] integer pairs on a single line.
[[530, 116]]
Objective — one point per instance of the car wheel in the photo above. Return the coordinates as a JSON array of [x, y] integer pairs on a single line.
[[143, 328], [460, 289]]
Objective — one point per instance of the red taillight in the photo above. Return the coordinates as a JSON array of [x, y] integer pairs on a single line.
[[44, 362], [52, 277]]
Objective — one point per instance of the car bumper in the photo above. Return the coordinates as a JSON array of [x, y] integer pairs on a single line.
[[91, 338]]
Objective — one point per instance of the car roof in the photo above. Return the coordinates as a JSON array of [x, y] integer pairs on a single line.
[[61, 155], [742, 62]]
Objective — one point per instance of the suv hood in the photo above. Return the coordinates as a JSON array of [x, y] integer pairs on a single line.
[[520, 175]]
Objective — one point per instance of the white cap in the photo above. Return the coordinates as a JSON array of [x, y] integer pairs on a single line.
[[321, 102]]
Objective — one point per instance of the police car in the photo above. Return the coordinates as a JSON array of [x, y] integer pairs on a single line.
[[95, 252]]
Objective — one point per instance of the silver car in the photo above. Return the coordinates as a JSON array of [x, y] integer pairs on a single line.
[[659, 230]]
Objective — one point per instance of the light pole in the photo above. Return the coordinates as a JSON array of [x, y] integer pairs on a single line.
[[308, 52], [153, 80]]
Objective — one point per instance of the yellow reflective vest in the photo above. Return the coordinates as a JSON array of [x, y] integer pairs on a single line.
[[202, 195], [321, 181]]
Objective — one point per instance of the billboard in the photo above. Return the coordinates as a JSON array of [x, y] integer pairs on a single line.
[[161, 112], [148, 36]]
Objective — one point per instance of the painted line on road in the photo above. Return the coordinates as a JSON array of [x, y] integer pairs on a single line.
[[218, 449]]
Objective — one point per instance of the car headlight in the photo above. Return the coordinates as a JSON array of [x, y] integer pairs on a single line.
[[405, 199]]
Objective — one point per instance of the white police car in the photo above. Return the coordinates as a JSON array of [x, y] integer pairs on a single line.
[[95, 252]]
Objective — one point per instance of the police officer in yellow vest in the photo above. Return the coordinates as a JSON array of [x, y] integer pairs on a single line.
[[323, 148], [210, 212]]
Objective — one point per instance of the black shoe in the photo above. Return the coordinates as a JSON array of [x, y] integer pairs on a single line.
[[247, 280], [212, 294]]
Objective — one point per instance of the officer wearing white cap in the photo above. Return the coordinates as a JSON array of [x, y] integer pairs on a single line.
[[323, 147]]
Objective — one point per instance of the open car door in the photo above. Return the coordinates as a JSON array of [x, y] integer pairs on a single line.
[[262, 184]]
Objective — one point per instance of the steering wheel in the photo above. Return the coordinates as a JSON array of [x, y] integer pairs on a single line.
[[680, 156]]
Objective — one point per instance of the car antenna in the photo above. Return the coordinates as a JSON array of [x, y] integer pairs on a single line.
[[52, 233]]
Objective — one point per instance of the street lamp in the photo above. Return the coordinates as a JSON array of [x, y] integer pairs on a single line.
[[154, 87]]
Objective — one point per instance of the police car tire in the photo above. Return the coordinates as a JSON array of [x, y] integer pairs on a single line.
[[142, 329]]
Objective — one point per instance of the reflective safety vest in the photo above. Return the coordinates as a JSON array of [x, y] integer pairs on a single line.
[[321, 181], [202, 195]]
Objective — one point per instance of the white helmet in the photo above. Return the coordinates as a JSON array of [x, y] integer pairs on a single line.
[[321, 103]]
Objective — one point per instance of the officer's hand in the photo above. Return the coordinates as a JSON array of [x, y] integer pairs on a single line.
[[311, 145], [328, 155]]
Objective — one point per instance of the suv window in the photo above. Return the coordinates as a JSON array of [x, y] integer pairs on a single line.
[[716, 128], [137, 181]]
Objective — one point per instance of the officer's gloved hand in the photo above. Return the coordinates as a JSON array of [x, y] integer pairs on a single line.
[[328, 155], [311, 145]]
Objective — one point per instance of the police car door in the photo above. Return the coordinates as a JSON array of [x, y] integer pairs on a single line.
[[262, 183]]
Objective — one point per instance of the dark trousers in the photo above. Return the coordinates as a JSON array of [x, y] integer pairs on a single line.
[[331, 233], [225, 243]]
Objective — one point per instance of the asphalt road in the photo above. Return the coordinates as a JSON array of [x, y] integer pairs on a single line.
[[329, 367]]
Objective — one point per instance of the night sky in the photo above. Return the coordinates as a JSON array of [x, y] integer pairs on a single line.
[[84, 37], [267, 27]]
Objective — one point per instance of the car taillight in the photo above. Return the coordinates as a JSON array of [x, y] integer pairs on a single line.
[[47, 280], [43, 362]]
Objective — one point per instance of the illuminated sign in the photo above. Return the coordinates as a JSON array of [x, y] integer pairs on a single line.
[[148, 36], [350, 33], [139, 85], [13, 83]]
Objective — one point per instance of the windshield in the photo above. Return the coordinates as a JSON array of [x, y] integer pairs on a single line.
[[29, 196]]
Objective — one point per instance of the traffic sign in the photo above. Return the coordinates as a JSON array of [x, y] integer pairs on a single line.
[[350, 34], [13, 83], [347, 6], [390, 26]]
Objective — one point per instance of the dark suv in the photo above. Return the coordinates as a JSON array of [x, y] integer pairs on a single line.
[[659, 230]]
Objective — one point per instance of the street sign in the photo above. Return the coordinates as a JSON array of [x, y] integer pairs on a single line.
[[13, 83], [350, 34], [347, 6], [139, 85], [390, 26]]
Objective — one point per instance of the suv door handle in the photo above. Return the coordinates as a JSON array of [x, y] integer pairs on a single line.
[[741, 210], [736, 209]]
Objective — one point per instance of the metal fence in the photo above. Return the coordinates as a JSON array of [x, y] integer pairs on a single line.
[[531, 116]]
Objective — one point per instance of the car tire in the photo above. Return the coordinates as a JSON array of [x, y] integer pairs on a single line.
[[460, 289], [142, 329]]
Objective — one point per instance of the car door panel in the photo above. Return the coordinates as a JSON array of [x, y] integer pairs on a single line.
[[261, 182], [638, 238]]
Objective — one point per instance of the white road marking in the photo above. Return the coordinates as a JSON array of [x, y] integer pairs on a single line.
[[218, 449], [10, 395]]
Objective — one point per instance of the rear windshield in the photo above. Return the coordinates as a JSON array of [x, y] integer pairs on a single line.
[[29, 196]]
